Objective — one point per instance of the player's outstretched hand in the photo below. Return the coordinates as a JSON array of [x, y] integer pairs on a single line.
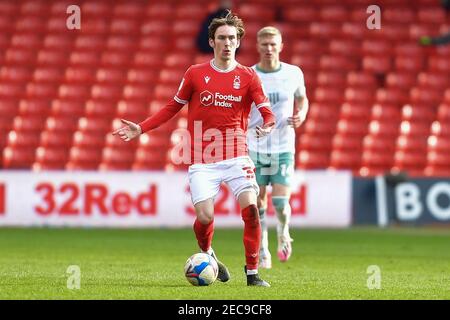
[[130, 131], [296, 121], [264, 130]]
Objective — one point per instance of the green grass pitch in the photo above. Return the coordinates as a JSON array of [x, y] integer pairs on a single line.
[[148, 264]]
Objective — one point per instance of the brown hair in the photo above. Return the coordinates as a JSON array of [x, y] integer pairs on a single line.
[[231, 20]]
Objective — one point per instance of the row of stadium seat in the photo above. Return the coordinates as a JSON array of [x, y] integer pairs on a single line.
[[378, 100]]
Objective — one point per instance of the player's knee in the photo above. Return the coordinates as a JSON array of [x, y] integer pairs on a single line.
[[205, 216], [250, 215], [280, 204]]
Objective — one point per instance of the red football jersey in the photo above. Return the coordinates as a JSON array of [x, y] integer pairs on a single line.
[[219, 106]]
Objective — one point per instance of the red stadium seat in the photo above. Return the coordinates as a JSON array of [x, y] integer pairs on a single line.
[[377, 160], [9, 108], [387, 128], [333, 78], [27, 23], [401, 80], [415, 128], [352, 127], [328, 95], [132, 110], [337, 63], [149, 160], [324, 30], [355, 111], [187, 27], [61, 124], [125, 26], [56, 140], [26, 41], [50, 158], [256, 12], [322, 127], [392, 96], [34, 107], [98, 125], [20, 56], [413, 64], [156, 27], [171, 76], [89, 59], [92, 42], [31, 123], [430, 97], [111, 75], [314, 142], [15, 74], [18, 158], [144, 59], [156, 42], [377, 143], [116, 59], [139, 92], [412, 162], [439, 64], [106, 91], [360, 95], [48, 74], [323, 111], [84, 158], [334, 13], [377, 64], [345, 159], [345, 47], [312, 160], [435, 15], [399, 15], [74, 91], [354, 30], [300, 13], [23, 139], [58, 42], [104, 109], [428, 80], [418, 113], [122, 43], [117, 159], [129, 10], [361, 79], [306, 62], [67, 108], [96, 26], [88, 140], [410, 143], [52, 57], [142, 76], [443, 113], [96, 9], [347, 141]]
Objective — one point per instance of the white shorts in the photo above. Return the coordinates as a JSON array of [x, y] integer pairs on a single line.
[[237, 173]]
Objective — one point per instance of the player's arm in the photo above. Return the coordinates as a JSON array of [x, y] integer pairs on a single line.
[[262, 104], [302, 103], [300, 112], [132, 130]]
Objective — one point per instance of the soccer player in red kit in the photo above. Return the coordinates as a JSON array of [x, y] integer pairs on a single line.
[[220, 94]]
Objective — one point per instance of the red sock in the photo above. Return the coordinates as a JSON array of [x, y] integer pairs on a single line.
[[204, 234], [252, 236]]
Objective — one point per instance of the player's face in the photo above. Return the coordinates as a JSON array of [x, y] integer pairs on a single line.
[[225, 42], [269, 47]]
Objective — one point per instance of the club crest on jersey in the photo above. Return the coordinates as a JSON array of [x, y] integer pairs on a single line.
[[237, 82], [207, 79]]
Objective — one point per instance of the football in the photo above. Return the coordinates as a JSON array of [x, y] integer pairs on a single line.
[[201, 269]]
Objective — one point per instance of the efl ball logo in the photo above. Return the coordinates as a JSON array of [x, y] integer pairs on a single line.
[[206, 98]]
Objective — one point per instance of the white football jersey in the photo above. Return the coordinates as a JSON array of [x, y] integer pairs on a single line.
[[281, 86]]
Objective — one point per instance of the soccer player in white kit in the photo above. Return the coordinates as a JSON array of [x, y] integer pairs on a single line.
[[220, 94], [274, 155]]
